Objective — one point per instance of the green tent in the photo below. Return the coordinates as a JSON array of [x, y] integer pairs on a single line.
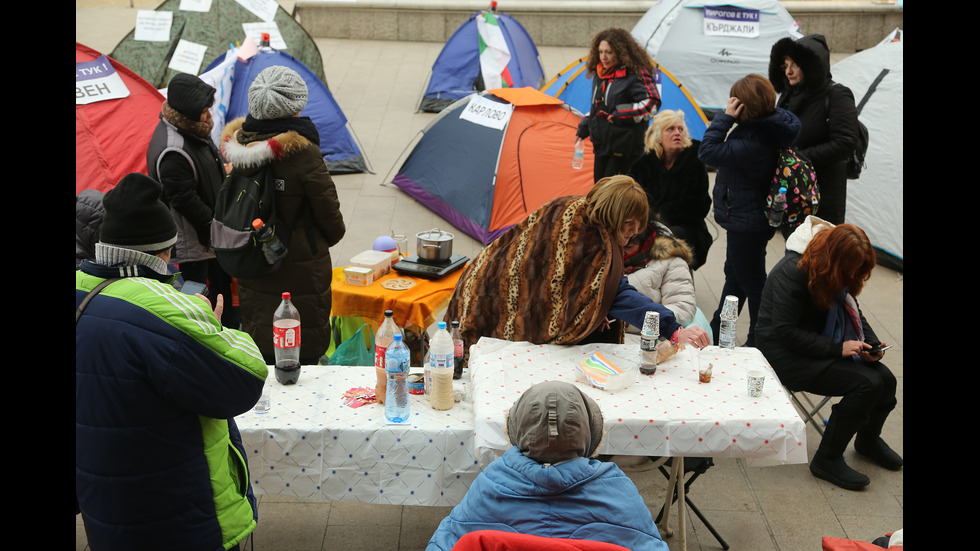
[[215, 29]]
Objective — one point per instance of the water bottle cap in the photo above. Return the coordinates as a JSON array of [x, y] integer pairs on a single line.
[[398, 337], [782, 190], [285, 295], [389, 313], [441, 325], [257, 223]]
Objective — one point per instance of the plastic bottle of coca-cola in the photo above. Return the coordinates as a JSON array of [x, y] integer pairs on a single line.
[[286, 341], [384, 337]]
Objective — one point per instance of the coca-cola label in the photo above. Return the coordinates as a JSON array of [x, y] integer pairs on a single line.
[[379, 356], [458, 348], [285, 334]]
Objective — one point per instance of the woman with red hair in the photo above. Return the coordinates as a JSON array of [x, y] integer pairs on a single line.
[[812, 331]]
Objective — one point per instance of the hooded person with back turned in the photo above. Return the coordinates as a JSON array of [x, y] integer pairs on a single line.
[[274, 136]]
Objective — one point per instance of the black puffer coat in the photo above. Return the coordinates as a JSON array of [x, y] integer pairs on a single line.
[[828, 115]]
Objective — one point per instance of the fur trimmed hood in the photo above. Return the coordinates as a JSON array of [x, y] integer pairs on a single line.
[[811, 53], [247, 150], [666, 246]]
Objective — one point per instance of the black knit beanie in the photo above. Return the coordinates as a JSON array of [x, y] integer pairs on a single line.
[[189, 95], [135, 217]]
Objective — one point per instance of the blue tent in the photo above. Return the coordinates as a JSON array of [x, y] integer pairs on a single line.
[[337, 144], [574, 86], [456, 72]]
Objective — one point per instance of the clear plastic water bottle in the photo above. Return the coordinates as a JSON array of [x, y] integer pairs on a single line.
[[778, 208], [286, 341], [457, 350], [441, 364], [578, 158], [649, 335], [272, 247], [729, 315], [384, 337], [396, 392]]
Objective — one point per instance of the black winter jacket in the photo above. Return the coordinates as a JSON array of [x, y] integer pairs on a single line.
[[827, 114], [191, 170], [630, 99], [790, 326]]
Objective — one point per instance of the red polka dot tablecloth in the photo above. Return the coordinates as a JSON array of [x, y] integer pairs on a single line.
[[311, 444], [669, 413]]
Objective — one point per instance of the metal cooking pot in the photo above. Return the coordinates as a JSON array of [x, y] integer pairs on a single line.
[[434, 245]]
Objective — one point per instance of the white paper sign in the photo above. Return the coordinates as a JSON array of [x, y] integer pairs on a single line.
[[265, 9], [255, 30], [195, 5], [97, 80], [487, 112], [731, 21], [153, 26], [188, 57]]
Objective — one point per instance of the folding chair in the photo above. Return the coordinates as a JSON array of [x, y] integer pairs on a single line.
[[811, 412], [697, 466]]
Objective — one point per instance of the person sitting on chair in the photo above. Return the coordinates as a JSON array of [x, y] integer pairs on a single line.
[[548, 485], [813, 333]]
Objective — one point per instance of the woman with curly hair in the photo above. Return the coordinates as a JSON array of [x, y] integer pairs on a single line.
[[813, 333], [624, 98]]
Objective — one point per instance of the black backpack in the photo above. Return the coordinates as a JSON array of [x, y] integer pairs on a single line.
[[241, 199]]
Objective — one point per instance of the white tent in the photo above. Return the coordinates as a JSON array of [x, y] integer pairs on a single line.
[[875, 202], [710, 46]]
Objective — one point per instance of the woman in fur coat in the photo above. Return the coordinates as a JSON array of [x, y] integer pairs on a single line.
[[275, 136]]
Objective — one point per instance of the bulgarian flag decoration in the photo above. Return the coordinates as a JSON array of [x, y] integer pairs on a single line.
[[494, 54]]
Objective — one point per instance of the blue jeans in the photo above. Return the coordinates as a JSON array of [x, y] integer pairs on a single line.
[[745, 276]]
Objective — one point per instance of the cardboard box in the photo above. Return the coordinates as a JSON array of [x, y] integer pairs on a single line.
[[378, 261]]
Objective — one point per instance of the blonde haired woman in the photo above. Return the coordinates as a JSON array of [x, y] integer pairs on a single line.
[[556, 276], [676, 182]]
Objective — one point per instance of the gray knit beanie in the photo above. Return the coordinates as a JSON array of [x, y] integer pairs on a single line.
[[277, 93], [554, 421]]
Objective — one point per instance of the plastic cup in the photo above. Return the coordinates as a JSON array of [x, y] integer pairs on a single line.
[[756, 380], [402, 241], [262, 406]]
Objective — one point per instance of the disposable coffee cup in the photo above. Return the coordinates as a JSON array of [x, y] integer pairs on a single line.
[[756, 380]]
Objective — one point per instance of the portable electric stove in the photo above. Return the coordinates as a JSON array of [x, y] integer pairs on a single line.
[[430, 269]]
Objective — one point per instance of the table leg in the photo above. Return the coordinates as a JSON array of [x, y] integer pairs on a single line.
[[676, 482]]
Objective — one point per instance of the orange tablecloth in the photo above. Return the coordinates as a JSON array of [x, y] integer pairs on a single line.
[[416, 306]]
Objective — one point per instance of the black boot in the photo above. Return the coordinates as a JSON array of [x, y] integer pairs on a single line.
[[868, 442], [828, 461]]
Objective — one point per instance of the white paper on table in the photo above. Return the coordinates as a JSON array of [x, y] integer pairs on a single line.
[[188, 57], [255, 30], [264, 9], [153, 25], [195, 5]]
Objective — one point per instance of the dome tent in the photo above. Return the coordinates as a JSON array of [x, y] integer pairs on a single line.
[[487, 161], [573, 85], [875, 201], [111, 136], [710, 46], [456, 72], [215, 29], [338, 145]]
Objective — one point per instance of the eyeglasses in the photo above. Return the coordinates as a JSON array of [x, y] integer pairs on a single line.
[[793, 66]]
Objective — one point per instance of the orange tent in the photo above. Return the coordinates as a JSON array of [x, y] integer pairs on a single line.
[[487, 161]]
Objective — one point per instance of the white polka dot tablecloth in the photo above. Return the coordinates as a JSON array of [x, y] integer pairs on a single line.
[[669, 413], [311, 445]]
